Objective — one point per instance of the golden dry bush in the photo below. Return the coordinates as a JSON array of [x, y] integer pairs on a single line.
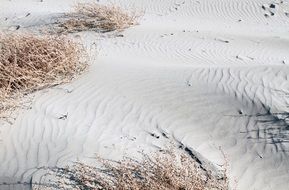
[[29, 63], [96, 17], [162, 171]]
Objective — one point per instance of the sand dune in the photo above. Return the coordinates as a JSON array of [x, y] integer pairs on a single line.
[[205, 74]]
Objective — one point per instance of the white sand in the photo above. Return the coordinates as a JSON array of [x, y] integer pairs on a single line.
[[206, 73]]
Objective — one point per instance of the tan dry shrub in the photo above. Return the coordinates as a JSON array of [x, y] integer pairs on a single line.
[[162, 171], [29, 63], [96, 17]]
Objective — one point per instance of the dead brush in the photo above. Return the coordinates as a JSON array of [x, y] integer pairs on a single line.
[[29, 63], [162, 171], [96, 17]]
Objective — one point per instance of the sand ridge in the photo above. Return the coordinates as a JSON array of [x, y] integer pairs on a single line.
[[202, 73]]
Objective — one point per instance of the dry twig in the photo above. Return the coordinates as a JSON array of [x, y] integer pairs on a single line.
[[29, 63], [162, 171], [96, 17]]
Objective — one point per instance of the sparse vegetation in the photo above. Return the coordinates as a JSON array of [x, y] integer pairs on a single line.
[[96, 17], [162, 171], [29, 63]]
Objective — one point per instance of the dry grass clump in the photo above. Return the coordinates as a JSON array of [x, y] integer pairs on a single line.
[[165, 171], [29, 63], [96, 17]]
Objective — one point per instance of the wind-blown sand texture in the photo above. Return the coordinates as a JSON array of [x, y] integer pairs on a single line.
[[201, 73]]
